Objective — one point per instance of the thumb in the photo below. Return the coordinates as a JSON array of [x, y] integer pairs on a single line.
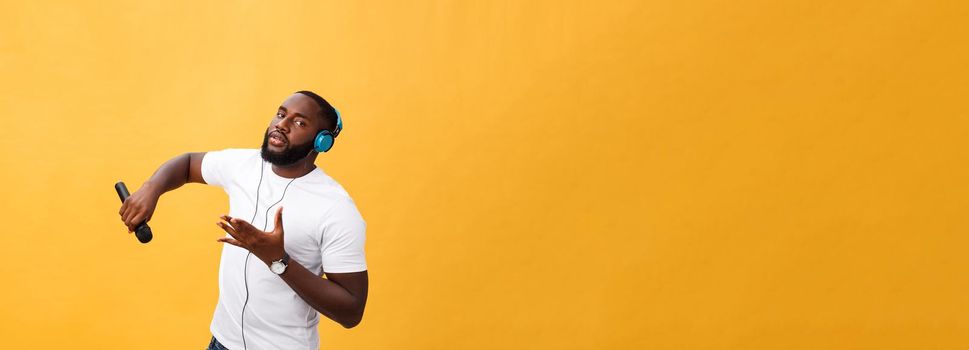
[[279, 220]]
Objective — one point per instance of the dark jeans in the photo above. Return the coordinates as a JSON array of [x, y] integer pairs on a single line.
[[216, 345]]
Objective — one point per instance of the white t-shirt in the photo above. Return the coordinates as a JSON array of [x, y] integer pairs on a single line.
[[323, 232]]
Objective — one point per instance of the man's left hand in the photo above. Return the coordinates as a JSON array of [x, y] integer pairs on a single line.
[[267, 246]]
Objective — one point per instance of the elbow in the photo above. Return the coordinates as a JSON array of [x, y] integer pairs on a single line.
[[351, 322], [347, 320]]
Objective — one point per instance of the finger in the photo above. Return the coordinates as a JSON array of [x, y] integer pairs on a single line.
[[121, 211], [229, 224], [279, 220], [137, 219], [225, 226], [134, 209], [125, 208], [228, 229], [240, 224], [132, 215], [243, 228], [231, 241], [128, 215], [234, 222]]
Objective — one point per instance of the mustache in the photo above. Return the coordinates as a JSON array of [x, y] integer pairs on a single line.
[[270, 134]]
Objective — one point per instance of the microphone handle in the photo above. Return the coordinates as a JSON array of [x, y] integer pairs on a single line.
[[143, 232]]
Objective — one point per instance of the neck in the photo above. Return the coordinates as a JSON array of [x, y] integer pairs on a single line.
[[298, 169]]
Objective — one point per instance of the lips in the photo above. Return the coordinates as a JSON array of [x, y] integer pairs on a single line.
[[277, 139]]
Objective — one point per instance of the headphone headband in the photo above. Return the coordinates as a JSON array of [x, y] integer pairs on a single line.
[[339, 123]]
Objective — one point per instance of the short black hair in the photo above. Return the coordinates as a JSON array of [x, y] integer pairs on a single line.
[[326, 110]]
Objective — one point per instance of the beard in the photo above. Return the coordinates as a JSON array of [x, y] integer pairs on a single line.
[[288, 156]]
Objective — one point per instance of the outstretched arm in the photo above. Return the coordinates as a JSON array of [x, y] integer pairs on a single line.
[[174, 173]]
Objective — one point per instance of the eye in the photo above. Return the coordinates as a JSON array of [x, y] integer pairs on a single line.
[[279, 114], [300, 123]]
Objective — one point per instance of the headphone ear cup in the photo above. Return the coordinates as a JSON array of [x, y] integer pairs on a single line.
[[323, 142]]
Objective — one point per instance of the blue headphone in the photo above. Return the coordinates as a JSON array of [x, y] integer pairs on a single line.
[[325, 139]]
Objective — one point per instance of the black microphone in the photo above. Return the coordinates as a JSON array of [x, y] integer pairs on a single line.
[[143, 231]]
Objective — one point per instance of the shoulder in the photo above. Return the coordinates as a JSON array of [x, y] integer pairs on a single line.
[[334, 203], [219, 167], [233, 153], [230, 157]]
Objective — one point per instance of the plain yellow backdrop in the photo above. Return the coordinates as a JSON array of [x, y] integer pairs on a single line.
[[535, 175]]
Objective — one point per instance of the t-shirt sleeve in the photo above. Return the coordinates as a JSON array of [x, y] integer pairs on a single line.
[[216, 165], [344, 235]]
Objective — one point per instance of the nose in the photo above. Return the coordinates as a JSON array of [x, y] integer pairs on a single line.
[[283, 125]]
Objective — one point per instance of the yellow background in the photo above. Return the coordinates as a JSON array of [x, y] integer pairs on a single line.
[[539, 174]]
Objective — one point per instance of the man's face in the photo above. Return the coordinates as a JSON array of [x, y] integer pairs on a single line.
[[292, 130]]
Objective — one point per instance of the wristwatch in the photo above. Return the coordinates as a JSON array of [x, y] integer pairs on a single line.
[[279, 266]]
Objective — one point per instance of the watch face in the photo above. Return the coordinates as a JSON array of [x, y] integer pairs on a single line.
[[277, 267]]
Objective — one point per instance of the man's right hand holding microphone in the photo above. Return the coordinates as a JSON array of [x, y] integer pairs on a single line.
[[137, 209]]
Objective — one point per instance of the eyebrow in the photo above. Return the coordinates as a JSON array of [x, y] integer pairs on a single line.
[[296, 113]]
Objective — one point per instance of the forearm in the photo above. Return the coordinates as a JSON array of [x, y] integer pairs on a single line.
[[326, 296], [140, 206], [340, 297], [170, 175]]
